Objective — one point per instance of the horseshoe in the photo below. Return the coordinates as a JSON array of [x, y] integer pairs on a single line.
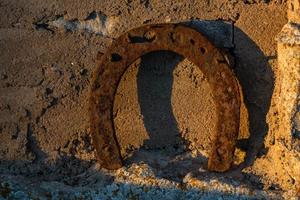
[[190, 44]]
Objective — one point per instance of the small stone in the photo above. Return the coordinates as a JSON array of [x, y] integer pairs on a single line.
[[168, 19], [239, 156]]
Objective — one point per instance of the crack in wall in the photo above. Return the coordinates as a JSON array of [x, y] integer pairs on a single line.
[[32, 145]]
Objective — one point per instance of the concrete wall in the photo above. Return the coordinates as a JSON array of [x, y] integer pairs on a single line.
[[48, 52]]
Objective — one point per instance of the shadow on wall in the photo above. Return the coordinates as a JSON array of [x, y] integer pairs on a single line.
[[251, 68], [255, 76], [154, 94], [257, 81], [154, 85]]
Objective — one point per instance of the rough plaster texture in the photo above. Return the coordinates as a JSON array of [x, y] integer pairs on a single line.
[[284, 112], [282, 141], [293, 11], [48, 50]]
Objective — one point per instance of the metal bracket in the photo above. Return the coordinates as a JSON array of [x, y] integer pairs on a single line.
[[184, 41]]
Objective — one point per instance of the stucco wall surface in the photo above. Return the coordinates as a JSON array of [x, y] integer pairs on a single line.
[[49, 50]]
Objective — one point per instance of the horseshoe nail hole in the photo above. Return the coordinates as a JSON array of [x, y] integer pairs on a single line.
[[147, 37], [172, 37], [157, 26], [192, 41], [115, 57], [203, 50], [292, 7], [219, 61]]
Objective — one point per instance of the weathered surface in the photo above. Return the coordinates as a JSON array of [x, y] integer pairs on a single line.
[[52, 65], [284, 127], [294, 11], [188, 43]]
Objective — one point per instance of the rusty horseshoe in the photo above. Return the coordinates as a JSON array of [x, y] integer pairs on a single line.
[[190, 44]]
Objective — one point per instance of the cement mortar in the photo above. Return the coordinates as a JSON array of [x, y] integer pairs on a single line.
[[285, 101], [45, 71]]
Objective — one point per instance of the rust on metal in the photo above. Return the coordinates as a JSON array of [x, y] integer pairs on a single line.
[[184, 41]]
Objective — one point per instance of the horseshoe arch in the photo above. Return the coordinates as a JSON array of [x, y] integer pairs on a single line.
[[190, 44]]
